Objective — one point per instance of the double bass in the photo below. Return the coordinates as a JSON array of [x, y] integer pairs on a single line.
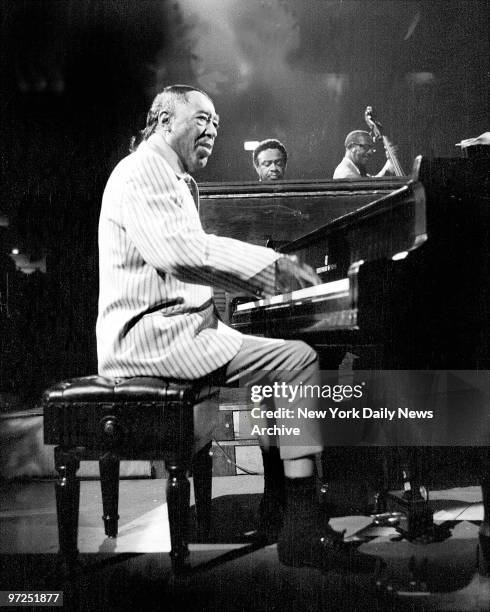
[[375, 129]]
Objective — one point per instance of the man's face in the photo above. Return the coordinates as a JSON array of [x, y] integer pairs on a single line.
[[361, 152], [271, 165], [192, 130]]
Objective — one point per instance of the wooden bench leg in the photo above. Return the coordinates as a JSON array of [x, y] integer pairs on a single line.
[[109, 484], [67, 490], [178, 500], [202, 468]]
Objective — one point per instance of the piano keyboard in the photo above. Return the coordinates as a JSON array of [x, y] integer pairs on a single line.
[[334, 290], [310, 310]]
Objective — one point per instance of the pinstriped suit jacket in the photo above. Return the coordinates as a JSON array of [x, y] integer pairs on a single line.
[[157, 267]]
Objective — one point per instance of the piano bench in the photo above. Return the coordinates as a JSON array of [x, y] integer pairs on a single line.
[[109, 419]]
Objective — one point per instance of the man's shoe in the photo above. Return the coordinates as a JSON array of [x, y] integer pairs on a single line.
[[325, 551]]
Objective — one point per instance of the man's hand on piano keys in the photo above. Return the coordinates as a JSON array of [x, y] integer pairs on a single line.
[[292, 275]]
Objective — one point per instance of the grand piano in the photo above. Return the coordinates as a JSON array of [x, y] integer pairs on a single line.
[[275, 213], [404, 265], [405, 276]]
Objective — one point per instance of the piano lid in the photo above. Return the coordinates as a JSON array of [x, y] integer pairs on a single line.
[[389, 227], [282, 211]]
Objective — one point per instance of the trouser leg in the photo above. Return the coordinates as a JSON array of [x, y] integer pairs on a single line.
[[288, 364], [260, 362], [305, 538]]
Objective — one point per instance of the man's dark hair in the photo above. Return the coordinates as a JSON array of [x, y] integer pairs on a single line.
[[164, 101], [270, 143]]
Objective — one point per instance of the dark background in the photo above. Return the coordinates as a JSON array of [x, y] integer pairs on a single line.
[[77, 77]]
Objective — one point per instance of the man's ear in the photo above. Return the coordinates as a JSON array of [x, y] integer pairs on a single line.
[[164, 119]]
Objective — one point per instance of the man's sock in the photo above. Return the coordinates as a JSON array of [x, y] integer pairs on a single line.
[[303, 511], [304, 521], [273, 475], [273, 499]]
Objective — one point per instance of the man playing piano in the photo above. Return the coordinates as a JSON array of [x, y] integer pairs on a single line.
[[359, 148], [270, 159], [156, 313]]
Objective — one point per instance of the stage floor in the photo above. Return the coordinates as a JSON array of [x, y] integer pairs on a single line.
[[230, 571]]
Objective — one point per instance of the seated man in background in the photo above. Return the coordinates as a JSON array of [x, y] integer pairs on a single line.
[[270, 159], [359, 148], [156, 314]]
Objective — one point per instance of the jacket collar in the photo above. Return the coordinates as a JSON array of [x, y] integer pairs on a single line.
[[157, 143]]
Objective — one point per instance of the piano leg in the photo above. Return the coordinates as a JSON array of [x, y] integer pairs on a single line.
[[416, 522], [381, 479]]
